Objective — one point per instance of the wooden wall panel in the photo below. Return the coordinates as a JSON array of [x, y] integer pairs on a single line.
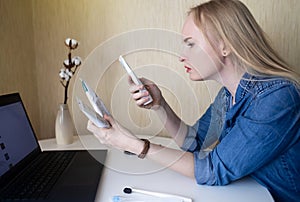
[[17, 55]]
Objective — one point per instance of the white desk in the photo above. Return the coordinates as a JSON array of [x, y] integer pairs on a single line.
[[125, 170]]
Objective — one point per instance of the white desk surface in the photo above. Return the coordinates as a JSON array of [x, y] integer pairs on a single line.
[[125, 170]]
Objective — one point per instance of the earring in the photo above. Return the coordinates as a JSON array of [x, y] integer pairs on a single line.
[[224, 53]]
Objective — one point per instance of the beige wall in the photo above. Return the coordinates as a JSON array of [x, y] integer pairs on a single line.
[[41, 26], [17, 55]]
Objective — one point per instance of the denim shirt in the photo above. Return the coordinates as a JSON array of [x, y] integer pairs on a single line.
[[258, 137]]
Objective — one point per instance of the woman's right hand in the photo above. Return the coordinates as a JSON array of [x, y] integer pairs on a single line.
[[140, 95]]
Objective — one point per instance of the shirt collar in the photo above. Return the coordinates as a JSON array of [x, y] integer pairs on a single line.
[[246, 83]]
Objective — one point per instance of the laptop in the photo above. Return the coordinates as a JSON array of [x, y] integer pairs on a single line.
[[28, 174]]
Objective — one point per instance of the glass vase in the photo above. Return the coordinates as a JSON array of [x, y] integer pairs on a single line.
[[64, 126]]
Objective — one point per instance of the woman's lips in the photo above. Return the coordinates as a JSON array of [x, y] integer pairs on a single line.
[[188, 69]]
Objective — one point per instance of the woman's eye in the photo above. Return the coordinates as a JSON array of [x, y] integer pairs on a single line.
[[190, 45]]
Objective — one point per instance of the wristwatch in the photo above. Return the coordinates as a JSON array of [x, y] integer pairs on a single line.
[[145, 149]]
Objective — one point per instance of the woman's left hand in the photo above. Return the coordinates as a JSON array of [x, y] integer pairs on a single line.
[[116, 136]]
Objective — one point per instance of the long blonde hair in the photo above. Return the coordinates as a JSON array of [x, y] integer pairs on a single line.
[[232, 22]]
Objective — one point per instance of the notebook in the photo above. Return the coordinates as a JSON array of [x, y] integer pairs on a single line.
[[27, 173]]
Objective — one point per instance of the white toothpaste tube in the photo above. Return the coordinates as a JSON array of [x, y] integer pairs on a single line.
[[95, 101], [165, 196], [92, 115], [141, 198]]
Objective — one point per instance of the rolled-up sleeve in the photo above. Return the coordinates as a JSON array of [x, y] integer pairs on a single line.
[[202, 134], [196, 133], [191, 142], [204, 169]]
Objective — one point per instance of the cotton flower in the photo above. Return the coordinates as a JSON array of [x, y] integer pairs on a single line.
[[76, 60], [69, 73], [65, 74], [67, 63], [62, 73], [71, 43]]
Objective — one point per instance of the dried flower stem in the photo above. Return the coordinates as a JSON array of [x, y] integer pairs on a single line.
[[66, 92], [67, 73]]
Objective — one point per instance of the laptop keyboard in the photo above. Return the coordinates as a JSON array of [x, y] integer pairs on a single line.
[[39, 178]]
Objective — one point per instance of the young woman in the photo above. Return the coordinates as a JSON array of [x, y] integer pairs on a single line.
[[253, 122]]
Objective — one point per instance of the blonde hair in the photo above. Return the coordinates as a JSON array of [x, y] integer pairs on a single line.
[[232, 22]]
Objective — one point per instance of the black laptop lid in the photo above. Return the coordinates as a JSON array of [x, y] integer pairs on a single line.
[[18, 143]]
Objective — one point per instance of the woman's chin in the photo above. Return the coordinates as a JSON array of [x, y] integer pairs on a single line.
[[196, 78]]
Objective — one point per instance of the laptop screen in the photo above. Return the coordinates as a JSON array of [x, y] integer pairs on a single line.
[[17, 138]]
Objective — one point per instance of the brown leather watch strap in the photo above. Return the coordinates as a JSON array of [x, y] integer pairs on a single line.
[[145, 149]]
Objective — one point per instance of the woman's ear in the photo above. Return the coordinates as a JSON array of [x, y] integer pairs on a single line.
[[224, 50]]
